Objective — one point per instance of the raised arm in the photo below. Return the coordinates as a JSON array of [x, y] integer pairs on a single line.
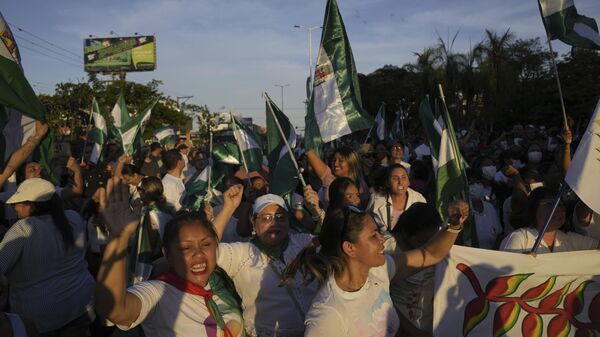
[[21, 154], [123, 159], [231, 200], [316, 162], [437, 247], [112, 299], [77, 188]]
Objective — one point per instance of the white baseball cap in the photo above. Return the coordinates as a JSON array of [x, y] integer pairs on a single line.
[[33, 189], [265, 200]]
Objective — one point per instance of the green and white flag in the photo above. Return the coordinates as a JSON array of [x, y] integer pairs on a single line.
[[564, 23], [380, 122], [451, 183], [226, 153], [120, 116], [396, 130], [19, 106], [335, 107], [166, 136], [249, 144], [283, 174], [132, 130], [99, 133], [196, 189]]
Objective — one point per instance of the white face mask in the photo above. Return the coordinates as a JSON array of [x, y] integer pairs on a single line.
[[552, 146], [518, 140], [504, 144], [534, 157], [488, 172], [477, 191]]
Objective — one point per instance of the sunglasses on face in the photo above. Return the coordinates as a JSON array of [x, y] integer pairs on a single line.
[[267, 218]]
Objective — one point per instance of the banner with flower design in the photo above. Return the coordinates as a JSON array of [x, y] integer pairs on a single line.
[[489, 293]]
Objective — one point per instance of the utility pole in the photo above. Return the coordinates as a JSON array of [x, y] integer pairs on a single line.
[[282, 86]]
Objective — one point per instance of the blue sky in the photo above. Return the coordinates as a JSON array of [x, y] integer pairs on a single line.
[[226, 52]]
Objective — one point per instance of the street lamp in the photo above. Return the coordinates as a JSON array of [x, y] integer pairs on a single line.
[[309, 29], [282, 86]]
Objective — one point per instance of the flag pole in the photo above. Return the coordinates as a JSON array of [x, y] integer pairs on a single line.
[[560, 94], [402, 122], [453, 138], [241, 153], [368, 134], [538, 241], [87, 132], [210, 163], [287, 145]]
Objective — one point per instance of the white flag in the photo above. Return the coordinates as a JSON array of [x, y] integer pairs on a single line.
[[584, 174]]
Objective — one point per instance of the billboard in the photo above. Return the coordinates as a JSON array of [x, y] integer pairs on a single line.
[[137, 53]]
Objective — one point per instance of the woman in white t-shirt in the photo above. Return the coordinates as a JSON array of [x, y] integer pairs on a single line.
[[194, 298], [539, 206], [355, 273], [391, 199]]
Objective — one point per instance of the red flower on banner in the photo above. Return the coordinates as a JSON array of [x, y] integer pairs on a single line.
[[508, 312]]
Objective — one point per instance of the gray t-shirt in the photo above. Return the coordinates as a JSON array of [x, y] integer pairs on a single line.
[[49, 284]]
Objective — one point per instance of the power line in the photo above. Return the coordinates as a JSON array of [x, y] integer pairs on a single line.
[[42, 39], [71, 58], [52, 57]]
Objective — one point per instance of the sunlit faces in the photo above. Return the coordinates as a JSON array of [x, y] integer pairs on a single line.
[[398, 181], [33, 170], [396, 151], [369, 244], [340, 166], [132, 180], [544, 209], [352, 196], [271, 225], [194, 255]]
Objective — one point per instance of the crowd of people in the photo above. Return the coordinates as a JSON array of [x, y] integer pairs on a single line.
[[113, 249]]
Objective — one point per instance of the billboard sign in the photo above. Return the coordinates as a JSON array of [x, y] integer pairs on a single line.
[[137, 53]]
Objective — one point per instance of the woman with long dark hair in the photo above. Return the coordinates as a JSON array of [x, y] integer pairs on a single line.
[[195, 298], [355, 273], [43, 257]]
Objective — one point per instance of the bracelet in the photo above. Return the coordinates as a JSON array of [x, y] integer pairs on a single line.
[[454, 229]]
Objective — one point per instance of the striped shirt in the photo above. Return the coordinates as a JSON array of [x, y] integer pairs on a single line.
[[49, 285]]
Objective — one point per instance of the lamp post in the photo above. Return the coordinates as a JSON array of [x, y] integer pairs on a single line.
[[310, 70], [282, 86]]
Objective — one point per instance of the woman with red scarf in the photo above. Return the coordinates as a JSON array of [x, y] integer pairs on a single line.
[[195, 298]]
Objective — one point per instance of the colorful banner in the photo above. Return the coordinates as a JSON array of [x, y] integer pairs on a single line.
[[489, 293]]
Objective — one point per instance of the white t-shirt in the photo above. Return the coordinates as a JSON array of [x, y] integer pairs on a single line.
[[159, 219], [487, 225], [173, 188], [522, 240], [167, 311], [268, 308], [363, 313]]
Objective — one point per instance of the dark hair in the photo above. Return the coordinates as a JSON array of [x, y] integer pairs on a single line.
[[534, 200], [197, 218], [155, 146], [151, 191], [171, 158], [130, 170], [182, 147], [383, 186], [55, 208], [339, 225], [419, 217], [337, 192]]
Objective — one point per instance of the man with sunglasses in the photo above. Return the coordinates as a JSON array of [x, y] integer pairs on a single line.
[[256, 266]]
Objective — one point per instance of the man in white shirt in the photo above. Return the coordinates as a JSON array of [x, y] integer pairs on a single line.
[[173, 186]]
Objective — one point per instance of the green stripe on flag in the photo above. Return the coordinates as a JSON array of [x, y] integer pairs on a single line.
[[564, 23], [335, 107], [249, 144]]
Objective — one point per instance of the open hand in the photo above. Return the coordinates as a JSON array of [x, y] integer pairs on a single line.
[[120, 216]]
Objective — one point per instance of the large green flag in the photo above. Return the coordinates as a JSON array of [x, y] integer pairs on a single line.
[[335, 107], [433, 129], [132, 130], [98, 134], [19, 106], [249, 144], [564, 23], [227, 153], [283, 174], [197, 190]]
